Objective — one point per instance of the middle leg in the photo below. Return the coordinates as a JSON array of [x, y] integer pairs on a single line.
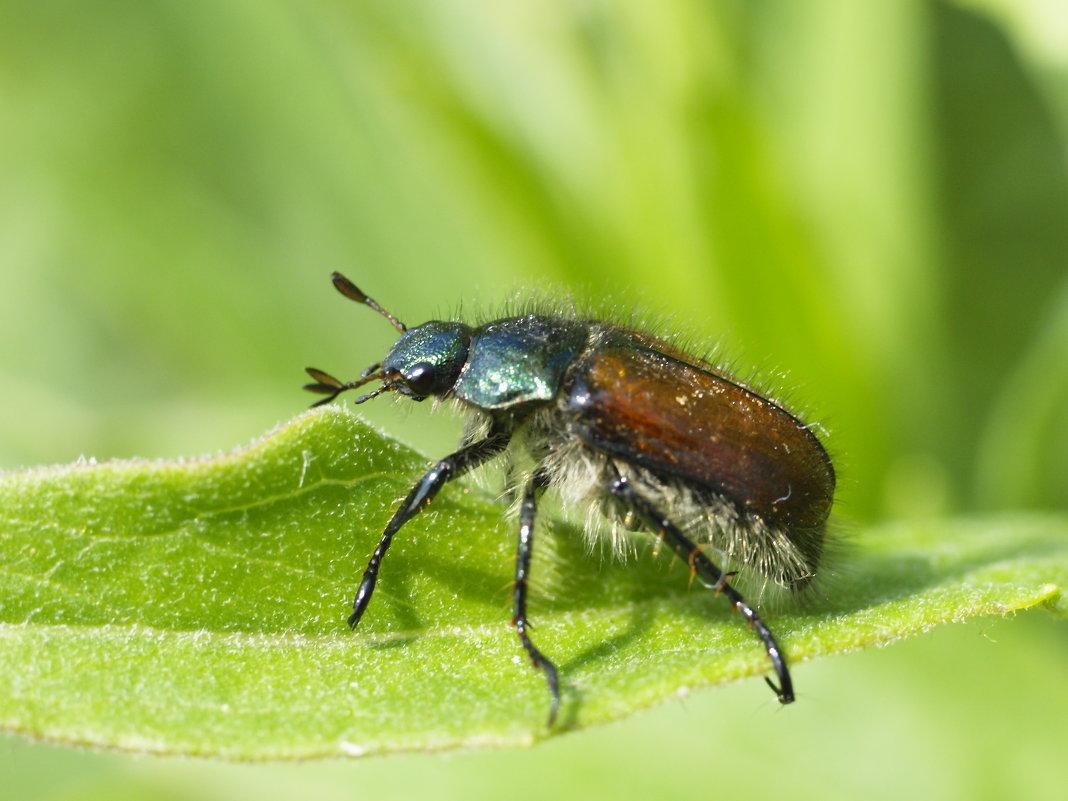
[[527, 513]]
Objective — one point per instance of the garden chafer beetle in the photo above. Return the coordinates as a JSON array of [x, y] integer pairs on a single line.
[[658, 439]]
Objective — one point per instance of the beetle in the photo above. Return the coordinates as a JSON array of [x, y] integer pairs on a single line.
[[656, 438]]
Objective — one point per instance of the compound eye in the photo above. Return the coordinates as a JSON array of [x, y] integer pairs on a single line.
[[421, 379]]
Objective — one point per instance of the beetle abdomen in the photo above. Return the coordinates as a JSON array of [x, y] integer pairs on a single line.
[[754, 468]]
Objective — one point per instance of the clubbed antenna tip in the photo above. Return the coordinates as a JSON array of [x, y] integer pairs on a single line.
[[353, 292]]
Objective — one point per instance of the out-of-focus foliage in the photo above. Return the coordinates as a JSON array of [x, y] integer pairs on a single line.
[[871, 201], [871, 197]]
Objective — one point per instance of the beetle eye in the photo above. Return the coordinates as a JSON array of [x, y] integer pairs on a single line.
[[420, 379]]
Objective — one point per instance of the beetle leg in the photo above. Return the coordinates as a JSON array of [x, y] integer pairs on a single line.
[[691, 553], [422, 494], [527, 513]]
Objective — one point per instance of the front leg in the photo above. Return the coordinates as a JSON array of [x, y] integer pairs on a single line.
[[419, 498]]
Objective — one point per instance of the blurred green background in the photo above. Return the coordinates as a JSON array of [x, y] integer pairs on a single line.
[[870, 199]]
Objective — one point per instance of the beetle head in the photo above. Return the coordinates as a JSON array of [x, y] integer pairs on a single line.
[[427, 360]]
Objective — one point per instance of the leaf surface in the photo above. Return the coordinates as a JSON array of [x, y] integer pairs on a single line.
[[199, 607]]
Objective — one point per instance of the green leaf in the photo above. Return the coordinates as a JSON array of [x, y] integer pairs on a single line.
[[199, 607]]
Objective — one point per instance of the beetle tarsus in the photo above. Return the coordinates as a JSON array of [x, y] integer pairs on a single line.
[[544, 664], [782, 696]]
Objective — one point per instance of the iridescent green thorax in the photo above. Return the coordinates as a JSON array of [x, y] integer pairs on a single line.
[[520, 360]]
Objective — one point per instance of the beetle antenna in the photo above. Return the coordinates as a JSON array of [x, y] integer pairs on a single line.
[[353, 292], [326, 384]]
